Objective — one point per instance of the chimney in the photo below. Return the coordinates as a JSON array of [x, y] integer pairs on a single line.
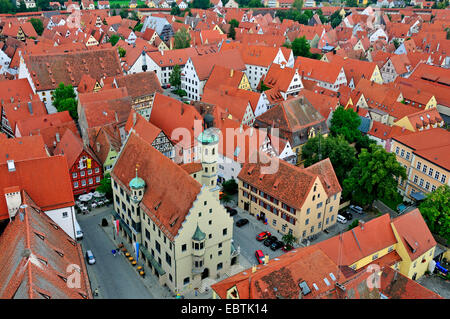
[[253, 268], [134, 118], [30, 107], [11, 166], [266, 259], [57, 137], [117, 117], [361, 224], [231, 73]]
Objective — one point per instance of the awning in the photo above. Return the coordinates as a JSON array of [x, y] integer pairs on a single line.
[[152, 260], [418, 195]]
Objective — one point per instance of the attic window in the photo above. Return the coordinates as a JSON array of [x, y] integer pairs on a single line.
[[44, 295], [40, 236], [63, 278], [157, 206], [72, 242], [43, 261], [83, 295], [54, 226], [59, 253]]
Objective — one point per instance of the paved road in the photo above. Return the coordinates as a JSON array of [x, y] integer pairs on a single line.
[[112, 274], [245, 237]]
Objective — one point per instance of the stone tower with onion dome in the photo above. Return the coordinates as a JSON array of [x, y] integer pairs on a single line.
[[137, 187], [207, 155]]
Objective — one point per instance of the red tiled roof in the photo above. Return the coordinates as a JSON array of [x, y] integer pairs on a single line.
[[45, 179], [168, 186], [281, 277], [229, 58], [35, 268], [414, 233], [22, 148], [359, 243]]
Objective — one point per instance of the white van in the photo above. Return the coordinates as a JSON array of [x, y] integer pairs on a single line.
[[78, 231], [341, 219]]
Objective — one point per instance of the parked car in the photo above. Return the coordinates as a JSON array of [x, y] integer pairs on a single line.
[[233, 212], [356, 209], [269, 241], [346, 214], [259, 256], [90, 257], [341, 219], [241, 222], [79, 232], [276, 245], [263, 235]]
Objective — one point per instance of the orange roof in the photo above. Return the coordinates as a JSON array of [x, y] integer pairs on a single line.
[[170, 191], [221, 75], [21, 148], [24, 255], [359, 242], [324, 169], [317, 70], [142, 127], [281, 277], [45, 179], [170, 114], [414, 233], [203, 64]]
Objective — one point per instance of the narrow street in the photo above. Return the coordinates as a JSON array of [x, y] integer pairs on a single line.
[[113, 275]]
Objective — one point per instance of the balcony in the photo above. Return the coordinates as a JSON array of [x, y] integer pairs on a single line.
[[198, 265]]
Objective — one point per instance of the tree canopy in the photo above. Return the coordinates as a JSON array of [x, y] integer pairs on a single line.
[[337, 149], [200, 4], [37, 25], [182, 39], [435, 210], [175, 77], [114, 39], [374, 176], [345, 123], [65, 100], [105, 186], [301, 47]]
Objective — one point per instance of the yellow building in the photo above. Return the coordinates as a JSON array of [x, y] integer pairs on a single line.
[[404, 243], [424, 154], [293, 200], [244, 84]]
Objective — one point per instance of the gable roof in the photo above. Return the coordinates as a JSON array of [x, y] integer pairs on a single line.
[[414, 233], [170, 191], [45, 179], [22, 148], [33, 268]]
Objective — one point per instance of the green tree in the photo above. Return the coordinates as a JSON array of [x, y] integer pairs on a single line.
[[201, 4], [182, 39], [435, 210], [122, 52], [298, 4], [301, 47], [175, 77], [65, 100], [234, 23], [123, 13], [114, 39], [354, 224], [6, 6], [175, 10], [351, 3], [288, 240], [232, 32], [138, 27], [374, 176], [22, 7], [255, 4], [230, 187], [342, 156], [37, 25], [105, 186], [345, 123]]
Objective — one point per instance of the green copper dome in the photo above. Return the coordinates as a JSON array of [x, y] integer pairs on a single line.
[[137, 183], [198, 235], [208, 137]]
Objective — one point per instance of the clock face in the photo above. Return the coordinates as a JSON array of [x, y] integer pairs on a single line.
[[135, 197]]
